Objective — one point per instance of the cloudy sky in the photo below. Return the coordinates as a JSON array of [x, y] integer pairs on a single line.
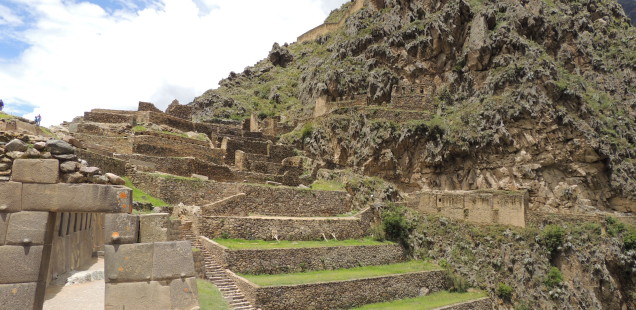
[[59, 58]]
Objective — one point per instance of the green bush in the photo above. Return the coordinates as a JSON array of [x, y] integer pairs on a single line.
[[552, 237], [504, 291], [629, 240], [553, 278], [614, 226], [307, 130], [458, 283], [396, 226]]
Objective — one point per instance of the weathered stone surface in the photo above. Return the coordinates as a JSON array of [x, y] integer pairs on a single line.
[[16, 145], [69, 166], [73, 178], [90, 170], [76, 198], [184, 294], [121, 228], [27, 228], [138, 295], [115, 179], [32, 153], [4, 223], [59, 147], [18, 296], [172, 260], [40, 146], [66, 157], [36, 170], [154, 227], [128, 262], [20, 264], [10, 196]]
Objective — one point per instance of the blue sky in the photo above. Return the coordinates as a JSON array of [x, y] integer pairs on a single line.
[[60, 58]]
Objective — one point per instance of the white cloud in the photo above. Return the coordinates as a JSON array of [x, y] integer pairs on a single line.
[[82, 56]]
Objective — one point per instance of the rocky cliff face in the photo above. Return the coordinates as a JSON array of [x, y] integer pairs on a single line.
[[526, 94]]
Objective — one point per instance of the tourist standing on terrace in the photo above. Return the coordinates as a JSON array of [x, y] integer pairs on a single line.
[[1, 105]]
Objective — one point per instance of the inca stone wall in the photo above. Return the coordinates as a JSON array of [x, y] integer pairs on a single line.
[[342, 294], [418, 96], [274, 261], [291, 228], [483, 207], [106, 163]]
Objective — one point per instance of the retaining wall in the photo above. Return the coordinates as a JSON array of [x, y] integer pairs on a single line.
[[106, 163], [286, 228], [342, 294], [156, 146], [274, 261]]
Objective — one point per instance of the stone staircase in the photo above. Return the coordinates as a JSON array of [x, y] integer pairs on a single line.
[[216, 274]]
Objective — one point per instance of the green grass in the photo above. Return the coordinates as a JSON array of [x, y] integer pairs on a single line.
[[172, 176], [210, 297], [6, 116], [431, 301], [340, 274], [240, 244], [141, 196], [324, 185]]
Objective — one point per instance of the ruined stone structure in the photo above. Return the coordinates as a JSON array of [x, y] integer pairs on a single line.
[[414, 96], [325, 104], [483, 207]]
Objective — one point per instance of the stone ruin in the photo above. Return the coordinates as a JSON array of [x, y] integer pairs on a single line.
[[56, 212]]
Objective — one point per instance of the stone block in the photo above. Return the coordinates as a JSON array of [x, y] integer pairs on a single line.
[[20, 264], [121, 228], [18, 296], [128, 262], [4, 223], [76, 198], [173, 260], [10, 197], [154, 227], [428, 203], [36, 170], [27, 228], [184, 294], [479, 208], [138, 295]]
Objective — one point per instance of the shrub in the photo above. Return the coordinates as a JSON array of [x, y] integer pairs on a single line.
[[504, 291], [458, 283], [396, 226], [553, 278], [552, 237], [307, 130], [614, 227], [629, 240]]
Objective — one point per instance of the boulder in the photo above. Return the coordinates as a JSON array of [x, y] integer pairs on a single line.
[[16, 145], [115, 179], [59, 147]]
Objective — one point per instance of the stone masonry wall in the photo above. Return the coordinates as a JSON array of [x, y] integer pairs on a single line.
[[342, 294], [483, 207], [103, 117], [274, 261], [122, 145], [106, 163], [292, 228], [155, 146], [281, 201], [182, 166]]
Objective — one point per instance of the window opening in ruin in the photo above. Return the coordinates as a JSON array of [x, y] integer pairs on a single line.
[[422, 91]]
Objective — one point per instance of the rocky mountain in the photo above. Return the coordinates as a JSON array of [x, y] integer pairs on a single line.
[[537, 95], [630, 9]]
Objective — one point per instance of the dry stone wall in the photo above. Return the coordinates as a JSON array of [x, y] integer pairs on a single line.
[[106, 163], [286, 228], [274, 261], [342, 294], [156, 146]]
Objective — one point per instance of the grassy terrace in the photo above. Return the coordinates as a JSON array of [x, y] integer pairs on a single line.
[[340, 274], [242, 244], [141, 196], [431, 301], [210, 297]]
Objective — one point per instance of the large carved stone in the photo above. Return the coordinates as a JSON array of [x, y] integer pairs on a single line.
[[138, 296], [76, 198], [154, 227], [27, 228], [10, 197], [121, 228], [36, 170], [128, 262], [19, 264], [4, 223], [18, 296], [172, 260]]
